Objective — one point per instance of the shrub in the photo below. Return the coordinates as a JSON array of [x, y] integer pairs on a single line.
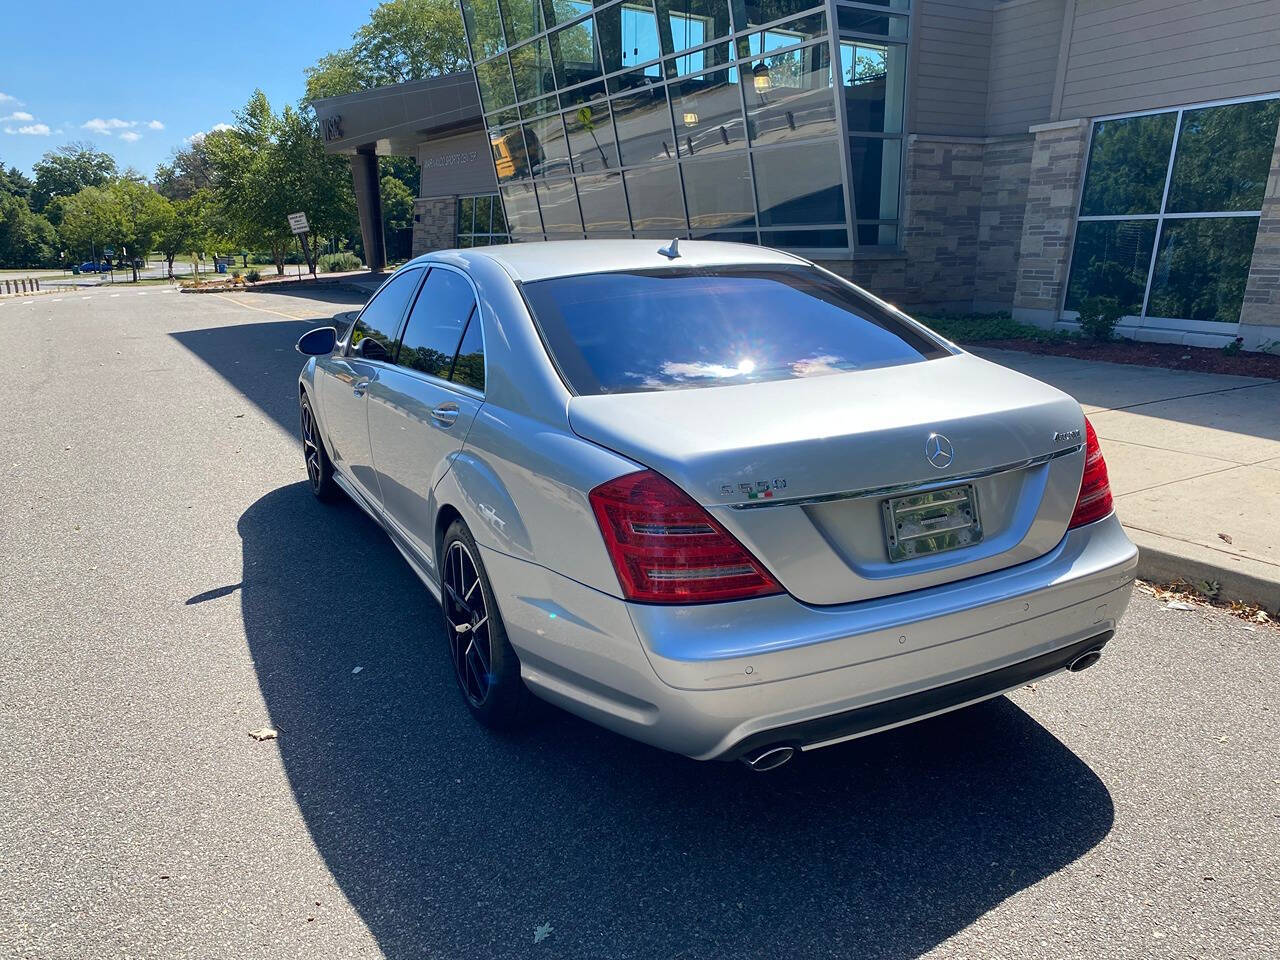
[[235, 274], [1098, 318], [1234, 347], [339, 262], [980, 327], [253, 276]]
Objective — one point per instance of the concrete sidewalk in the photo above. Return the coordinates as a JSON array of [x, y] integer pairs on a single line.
[[1194, 461]]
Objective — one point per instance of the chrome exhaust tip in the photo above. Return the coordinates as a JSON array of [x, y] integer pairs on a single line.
[[1085, 660], [770, 758]]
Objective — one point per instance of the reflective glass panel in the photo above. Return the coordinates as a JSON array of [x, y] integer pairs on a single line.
[[531, 65], [484, 27], [466, 214], [591, 140], [559, 205], [855, 20], [522, 18], [562, 11], [784, 35], [708, 113], [494, 79], [436, 322], [483, 207], [380, 320], [718, 192], [877, 234], [510, 160], [548, 147], [825, 239], [538, 108], [677, 328], [629, 35], [1111, 259], [790, 96], [643, 122], [1201, 268], [874, 78], [799, 184], [576, 57], [522, 211], [689, 23], [877, 171], [713, 56], [749, 14], [604, 206], [468, 367], [1224, 155], [655, 198], [1128, 161]]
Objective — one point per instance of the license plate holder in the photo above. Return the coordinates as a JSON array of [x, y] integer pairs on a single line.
[[934, 521]]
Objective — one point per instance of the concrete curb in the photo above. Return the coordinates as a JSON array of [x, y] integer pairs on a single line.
[[1158, 564]]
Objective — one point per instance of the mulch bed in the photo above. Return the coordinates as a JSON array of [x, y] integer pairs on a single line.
[[1171, 356]]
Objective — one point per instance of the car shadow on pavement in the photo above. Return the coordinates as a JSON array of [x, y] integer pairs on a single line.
[[452, 841]]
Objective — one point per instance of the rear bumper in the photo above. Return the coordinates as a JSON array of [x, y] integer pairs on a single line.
[[713, 681]]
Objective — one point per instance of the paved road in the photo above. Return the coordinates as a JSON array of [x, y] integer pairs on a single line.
[[167, 584]]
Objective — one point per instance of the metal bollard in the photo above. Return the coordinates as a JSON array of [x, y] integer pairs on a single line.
[[37, 283], [24, 286]]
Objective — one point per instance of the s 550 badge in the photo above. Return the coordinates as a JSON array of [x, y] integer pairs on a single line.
[[1067, 436]]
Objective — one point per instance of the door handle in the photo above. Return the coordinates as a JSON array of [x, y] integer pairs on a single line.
[[446, 414], [360, 387]]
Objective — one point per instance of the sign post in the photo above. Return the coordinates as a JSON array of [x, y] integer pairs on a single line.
[[298, 224]]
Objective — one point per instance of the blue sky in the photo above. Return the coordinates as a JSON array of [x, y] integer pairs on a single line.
[[137, 83]]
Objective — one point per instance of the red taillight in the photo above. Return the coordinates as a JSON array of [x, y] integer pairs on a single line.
[[1094, 501], [667, 549]]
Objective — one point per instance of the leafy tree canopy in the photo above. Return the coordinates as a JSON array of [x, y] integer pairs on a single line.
[[403, 40], [26, 239], [68, 170]]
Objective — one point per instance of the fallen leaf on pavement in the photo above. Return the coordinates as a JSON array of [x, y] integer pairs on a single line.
[[264, 733], [1224, 537], [541, 932], [1179, 605], [356, 669]]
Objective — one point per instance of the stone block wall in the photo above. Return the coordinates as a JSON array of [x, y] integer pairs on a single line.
[[1053, 193], [941, 213], [1006, 171], [435, 225], [1260, 314]]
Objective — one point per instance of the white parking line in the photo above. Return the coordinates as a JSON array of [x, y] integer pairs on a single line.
[[56, 300], [114, 295], [85, 298], [27, 303]]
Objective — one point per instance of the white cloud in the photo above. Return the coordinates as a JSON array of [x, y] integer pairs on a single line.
[[129, 136], [201, 134], [20, 115], [104, 127], [5, 98], [155, 125], [31, 130]]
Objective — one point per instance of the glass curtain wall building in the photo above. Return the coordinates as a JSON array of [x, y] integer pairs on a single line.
[[763, 121]]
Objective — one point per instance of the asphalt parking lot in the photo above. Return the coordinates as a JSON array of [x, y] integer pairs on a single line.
[[167, 584]]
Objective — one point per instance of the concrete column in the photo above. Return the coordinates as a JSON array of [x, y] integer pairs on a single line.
[[1048, 227], [364, 175], [1260, 314]]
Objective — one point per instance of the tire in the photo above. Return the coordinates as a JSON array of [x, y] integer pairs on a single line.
[[484, 665], [319, 467]]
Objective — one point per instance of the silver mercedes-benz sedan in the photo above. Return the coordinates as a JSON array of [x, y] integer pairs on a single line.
[[712, 496]]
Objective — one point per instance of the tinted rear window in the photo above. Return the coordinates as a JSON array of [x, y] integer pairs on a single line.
[[698, 327]]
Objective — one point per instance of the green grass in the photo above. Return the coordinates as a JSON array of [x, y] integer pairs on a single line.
[[980, 327]]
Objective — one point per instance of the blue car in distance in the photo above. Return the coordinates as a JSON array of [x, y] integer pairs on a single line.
[[91, 266]]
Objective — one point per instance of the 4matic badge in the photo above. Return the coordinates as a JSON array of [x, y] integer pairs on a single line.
[[759, 490]]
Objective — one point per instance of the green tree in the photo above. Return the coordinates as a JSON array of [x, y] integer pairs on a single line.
[[124, 214], [15, 183], [185, 231], [26, 239], [187, 172], [403, 40], [68, 170]]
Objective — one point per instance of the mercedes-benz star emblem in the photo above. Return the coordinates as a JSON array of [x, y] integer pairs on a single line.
[[938, 451]]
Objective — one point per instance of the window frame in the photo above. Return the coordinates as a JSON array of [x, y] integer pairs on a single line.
[[1143, 318], [476, 312]]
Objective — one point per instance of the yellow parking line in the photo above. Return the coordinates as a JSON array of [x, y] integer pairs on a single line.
[[287, 316]]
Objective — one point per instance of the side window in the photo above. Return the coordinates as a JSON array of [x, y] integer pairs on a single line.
[[436, 323], [468, 368], [380, 319]]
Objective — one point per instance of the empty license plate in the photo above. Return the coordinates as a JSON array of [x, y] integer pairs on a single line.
[[920, 524]]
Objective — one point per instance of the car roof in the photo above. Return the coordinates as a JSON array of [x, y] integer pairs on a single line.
[[565, 258]]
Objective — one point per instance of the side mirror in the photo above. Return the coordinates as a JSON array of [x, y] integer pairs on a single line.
[[370, 348], [318, 342]]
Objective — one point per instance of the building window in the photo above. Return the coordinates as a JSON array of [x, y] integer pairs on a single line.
[[1169, 211], [480, 221], [696, 118]]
